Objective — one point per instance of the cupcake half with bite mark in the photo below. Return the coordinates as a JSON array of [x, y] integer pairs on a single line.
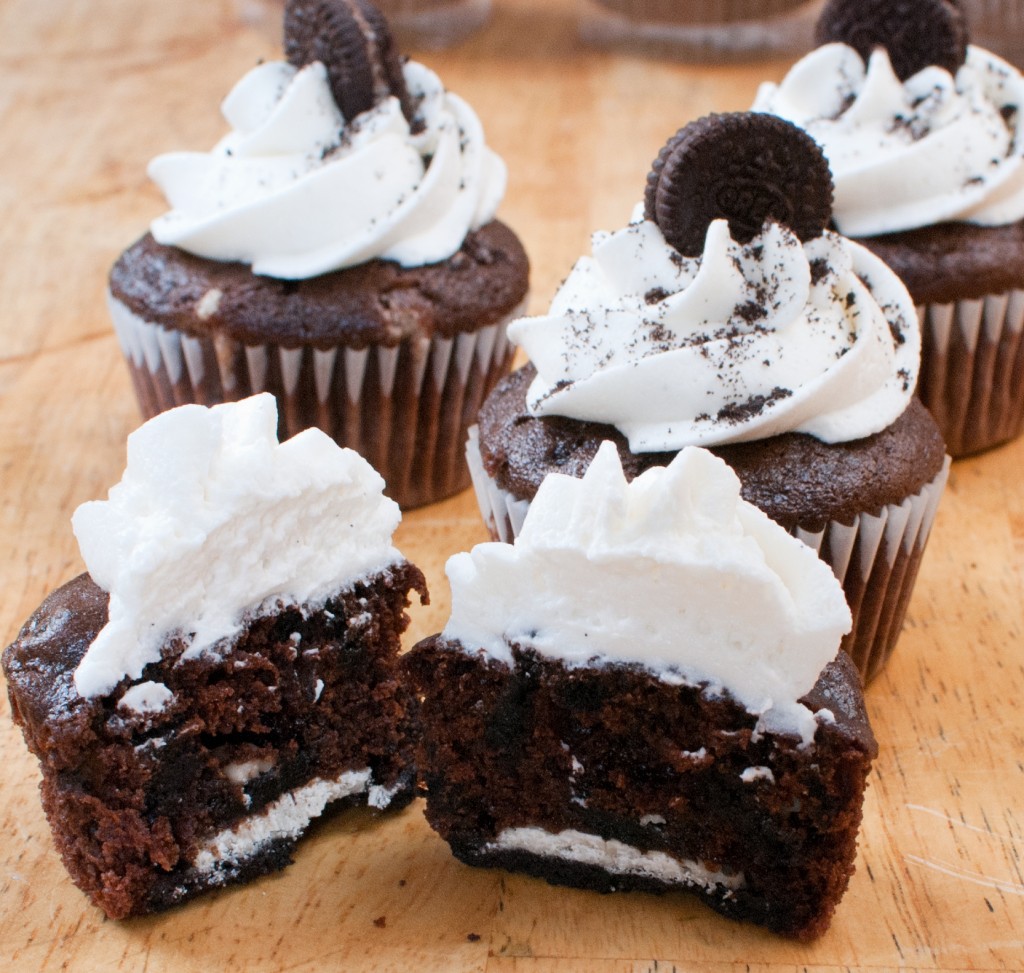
[[646, 692], [727, 315], [923, 134], [337, 248], [227, 672]]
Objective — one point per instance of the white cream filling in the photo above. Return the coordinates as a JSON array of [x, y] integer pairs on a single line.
[[286, 818], [613, 856]]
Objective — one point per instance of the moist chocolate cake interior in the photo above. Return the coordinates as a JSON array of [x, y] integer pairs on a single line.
[[288, 708], [766, 828]]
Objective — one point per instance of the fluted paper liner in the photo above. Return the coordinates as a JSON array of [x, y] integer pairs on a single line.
[[875, 558], [972, 370], [407, 409]]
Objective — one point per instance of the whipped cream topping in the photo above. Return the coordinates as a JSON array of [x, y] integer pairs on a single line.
[[741, 343], [912, 153], [672, 571], [296, 191], [214, 520]]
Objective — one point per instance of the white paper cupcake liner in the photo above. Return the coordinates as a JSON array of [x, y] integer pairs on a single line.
[[876, 558], [701, 30], [972, 370], [407, 409]]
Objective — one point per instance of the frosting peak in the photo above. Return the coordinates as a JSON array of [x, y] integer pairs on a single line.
[[672, 571], [912, 153], [296, 191], [214, 518], [744, 342]]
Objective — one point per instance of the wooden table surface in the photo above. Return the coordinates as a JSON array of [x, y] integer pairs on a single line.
[[89, 91]]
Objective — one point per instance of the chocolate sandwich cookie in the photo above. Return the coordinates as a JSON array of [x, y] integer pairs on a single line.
[[746, 169], [916, 33]]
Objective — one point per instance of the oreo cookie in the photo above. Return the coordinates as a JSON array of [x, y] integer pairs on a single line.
[[352, 40], [747, 168], [916, 33]]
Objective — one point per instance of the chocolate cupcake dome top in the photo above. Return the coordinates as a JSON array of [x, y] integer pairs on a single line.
[[916, 33], [744, 167], [352, 40]]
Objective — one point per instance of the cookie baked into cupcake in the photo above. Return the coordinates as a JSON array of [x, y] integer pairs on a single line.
[[227, 670], [923, 135], [337, 248], [726, 315], [646, 691]]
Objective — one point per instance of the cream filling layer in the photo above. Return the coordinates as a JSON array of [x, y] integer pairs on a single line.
[[613, 856], [287, 818]]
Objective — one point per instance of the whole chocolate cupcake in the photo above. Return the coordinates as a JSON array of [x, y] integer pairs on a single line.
[[923, 135], [726, 315], [338, 249], [702, 30]]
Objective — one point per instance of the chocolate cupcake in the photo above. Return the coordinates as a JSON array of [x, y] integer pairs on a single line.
[[702, 30], [338, 249], [646, 692], [435, 23], [923, 134], [787, 349], [227, 672]]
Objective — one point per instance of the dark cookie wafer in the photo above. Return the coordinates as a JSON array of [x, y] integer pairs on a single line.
[[746, 168], [916, 33], [352, 40]]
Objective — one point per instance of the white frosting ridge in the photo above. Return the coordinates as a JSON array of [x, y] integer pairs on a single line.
[[912, 153], [285, 819], [213, 520], [295, 190], [672, 571], [613, 856], [741, 343]]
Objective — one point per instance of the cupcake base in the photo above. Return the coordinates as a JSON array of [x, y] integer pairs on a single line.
[[715, 31], [407, 408], [391, 361], [972, 370]]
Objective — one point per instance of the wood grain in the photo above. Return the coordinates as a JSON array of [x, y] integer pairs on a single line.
[[89, 91]]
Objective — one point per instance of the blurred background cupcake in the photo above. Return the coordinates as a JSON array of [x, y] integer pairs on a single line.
[[435, 23], [701, 31], [725, 315], [997, 25], [923, 133], [337, 248]]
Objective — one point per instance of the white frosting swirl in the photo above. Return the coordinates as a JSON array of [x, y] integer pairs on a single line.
[[912, 153], [296, 191], [673, 571], [213, 519], [741, 343]]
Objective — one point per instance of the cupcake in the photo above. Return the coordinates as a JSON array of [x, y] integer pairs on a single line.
[[997, 25], [646, 692], [923, 135], [436, 23], [726, 315], [227, 671], [338, 249], [702, 30]]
